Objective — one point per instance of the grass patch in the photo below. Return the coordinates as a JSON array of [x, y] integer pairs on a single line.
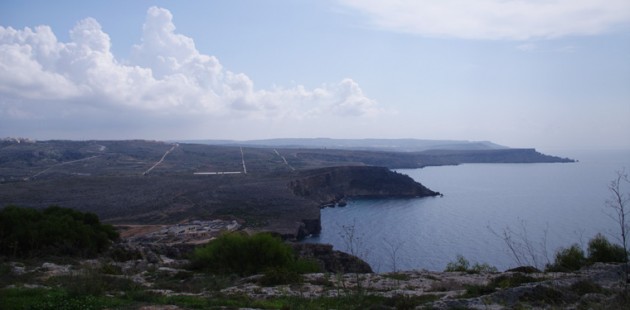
[[584, 287], [91, 282], [500, 282], [194, 283], [473, 291], [56, 298], [59, 298]]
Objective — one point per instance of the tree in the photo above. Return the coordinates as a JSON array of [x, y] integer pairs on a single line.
[[26, 232], [394, 247], [618, 203], [353, 240], [523, 249], [601, 250]]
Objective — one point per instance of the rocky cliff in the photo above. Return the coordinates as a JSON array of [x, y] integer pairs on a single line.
[[334, 183]]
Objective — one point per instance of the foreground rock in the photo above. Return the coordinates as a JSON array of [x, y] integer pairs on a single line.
[[160, 271], [595, 287], [331, 260]]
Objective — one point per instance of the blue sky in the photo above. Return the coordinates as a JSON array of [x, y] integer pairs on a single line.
[[551, 75]]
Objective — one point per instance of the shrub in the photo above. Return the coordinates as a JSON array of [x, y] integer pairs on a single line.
[[463, 265], [478, 268], [305, 266], [26, 232], [237, 253], [601, 250], [280, 275], [569, 259]]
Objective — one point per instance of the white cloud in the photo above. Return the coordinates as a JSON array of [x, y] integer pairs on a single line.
[[496, 19], [166, 75]]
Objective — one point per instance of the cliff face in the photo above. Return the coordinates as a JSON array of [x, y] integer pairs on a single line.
[[489, 156], [334, 183]]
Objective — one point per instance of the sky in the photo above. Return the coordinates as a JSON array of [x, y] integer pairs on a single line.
[[523, 73]]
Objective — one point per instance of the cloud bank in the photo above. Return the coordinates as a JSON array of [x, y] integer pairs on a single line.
[[165, 75], [496, 19]]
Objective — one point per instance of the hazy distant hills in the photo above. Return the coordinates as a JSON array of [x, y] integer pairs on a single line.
[[391, 145]]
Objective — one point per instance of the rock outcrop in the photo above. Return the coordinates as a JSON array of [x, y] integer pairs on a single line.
[[331, 260], [334, 183]]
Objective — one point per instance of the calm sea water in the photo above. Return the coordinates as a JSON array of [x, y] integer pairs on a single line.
[[565, 200]]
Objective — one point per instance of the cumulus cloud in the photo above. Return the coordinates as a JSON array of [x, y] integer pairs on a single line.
[[496, 19], [165, 75]]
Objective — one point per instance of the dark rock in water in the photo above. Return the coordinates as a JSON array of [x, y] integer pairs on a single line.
[[331, 260], [308, 227]]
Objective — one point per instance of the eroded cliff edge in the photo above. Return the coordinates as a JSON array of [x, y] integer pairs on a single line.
[[331, 184]]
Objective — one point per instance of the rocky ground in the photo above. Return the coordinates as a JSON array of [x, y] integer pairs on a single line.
[[162, 271], [145, 272]]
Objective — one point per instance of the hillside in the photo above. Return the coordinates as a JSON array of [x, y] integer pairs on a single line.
[[385, 145], [152, 182]]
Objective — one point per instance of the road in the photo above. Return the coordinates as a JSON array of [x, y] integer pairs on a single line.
[[61, 164], [243, 159], [161, 159], [284, 159]]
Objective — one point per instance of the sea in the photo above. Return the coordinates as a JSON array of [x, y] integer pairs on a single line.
[[485, 209]]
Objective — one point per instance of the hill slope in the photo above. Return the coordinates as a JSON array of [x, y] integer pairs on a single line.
[[262, 187]]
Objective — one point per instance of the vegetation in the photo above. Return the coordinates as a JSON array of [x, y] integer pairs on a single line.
[[618, 203], [26, 232], [239, 253], [568, 259], [599, 250], [500, 282], [22, 298], [463, 265]]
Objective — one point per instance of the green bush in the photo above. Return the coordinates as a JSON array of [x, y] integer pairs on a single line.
[[237, 253], [305, 266], [280, 275], [463, 265], [601, 250], [92, 282], [569, 259], [26, 232]]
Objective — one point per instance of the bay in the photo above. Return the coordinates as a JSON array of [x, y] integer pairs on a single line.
[[552, 205]]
